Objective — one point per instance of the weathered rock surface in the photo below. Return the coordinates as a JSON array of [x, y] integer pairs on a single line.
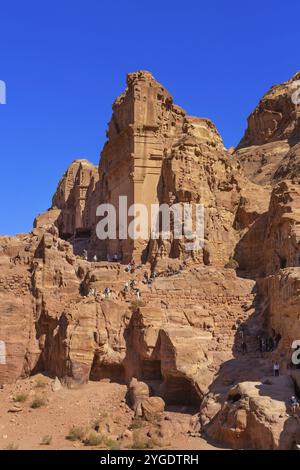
[[255, 415], [183, 342], [273, 129]]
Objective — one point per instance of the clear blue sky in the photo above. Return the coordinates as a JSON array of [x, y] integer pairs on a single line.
[[64, 62]]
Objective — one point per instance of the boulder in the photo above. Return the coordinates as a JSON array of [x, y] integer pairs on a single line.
[[138, 391], [152, 409]]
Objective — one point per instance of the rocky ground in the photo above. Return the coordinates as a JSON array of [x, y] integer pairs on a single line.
[[95, 413]]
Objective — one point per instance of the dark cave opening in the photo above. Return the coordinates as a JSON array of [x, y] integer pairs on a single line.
[[234, 398], [113, 372], [151, 370], [83, 233], [179, 391]]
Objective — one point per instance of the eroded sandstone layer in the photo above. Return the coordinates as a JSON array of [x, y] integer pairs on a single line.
[[192, 336]]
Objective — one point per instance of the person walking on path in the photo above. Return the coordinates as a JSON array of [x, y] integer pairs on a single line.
[[276, 369]]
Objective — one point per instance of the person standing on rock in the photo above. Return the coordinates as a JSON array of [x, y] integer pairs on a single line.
[[262, 345], [138, 294], [276, 369], [107, 292], [125, 289], [294, 407]]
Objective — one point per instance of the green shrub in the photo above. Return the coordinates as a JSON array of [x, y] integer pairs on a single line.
[[93, 439], [20, 398], [140, 442], [111, 444], [137, 423], [38, 402]]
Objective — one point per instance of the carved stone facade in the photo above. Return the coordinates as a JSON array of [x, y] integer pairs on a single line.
[[74, 199], [144, 124]]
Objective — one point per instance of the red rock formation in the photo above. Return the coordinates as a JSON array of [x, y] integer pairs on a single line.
[[273, 129], [275, 118], [184, 337]]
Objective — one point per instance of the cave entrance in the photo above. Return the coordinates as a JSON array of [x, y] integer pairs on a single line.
[[283, 262], [83, 233], [151, 369], [179, 391], [113, 372], [66, 236], [234, 398]]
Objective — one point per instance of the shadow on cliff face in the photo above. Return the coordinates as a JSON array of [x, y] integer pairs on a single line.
[[248, 251], [249, 363], [290, 435], [53, 358], [246, 406], [158, 368], [113, 372]]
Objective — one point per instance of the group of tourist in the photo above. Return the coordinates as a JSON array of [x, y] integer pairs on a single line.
[[265, 343], [115, 258], [268, 344], [130, 268], [132, 287], [86, 256], [128, 287]]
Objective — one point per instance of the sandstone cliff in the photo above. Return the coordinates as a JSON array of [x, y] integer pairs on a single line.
[[185, 336]]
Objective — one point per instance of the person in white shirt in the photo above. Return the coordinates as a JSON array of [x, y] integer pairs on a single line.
[[276, 369]]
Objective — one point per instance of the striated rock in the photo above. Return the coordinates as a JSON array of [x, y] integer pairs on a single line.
[[275, 118], [276, 231], [273, 130], [197, 169], [261, 162], [191, 338], [289, 165], [152, 409]]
